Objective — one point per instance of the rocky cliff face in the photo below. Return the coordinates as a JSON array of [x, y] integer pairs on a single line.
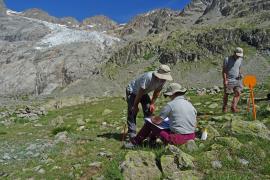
[[221, 9], [194, 10], [2, 8]]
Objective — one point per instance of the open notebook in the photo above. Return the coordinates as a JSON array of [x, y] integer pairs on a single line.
[[164, 125]]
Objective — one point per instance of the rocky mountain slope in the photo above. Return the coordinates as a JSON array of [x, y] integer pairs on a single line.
[[47, 55], [196, 52], [62, 58]]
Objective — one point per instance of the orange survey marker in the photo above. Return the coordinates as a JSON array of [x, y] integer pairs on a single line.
[[250, 82]]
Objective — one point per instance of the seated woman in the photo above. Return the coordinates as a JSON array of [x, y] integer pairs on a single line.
[[182, 120]]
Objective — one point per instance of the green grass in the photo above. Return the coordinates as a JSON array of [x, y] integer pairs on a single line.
[[74, 158], [148, 55]]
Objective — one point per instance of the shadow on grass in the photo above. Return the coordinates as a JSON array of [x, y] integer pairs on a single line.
[[116, 136]]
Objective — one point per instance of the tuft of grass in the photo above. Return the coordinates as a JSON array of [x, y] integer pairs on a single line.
[[148, 56], [60, 129]]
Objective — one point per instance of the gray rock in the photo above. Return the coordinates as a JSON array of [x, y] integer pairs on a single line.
[[62, 137], [183, 160], [140, 165], [6, 156], [216, 89], [216, 164], [169, 164], [243, 162], [254, 128]]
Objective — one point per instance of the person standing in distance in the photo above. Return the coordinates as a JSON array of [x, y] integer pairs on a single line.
[[232, 76], [137, 92]]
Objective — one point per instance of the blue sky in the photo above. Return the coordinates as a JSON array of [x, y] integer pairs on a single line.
[[119, 10]]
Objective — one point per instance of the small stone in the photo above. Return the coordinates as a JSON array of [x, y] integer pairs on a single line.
[[216, 89], [104, 123], [81, 128], [243, 162], [106, 112], [62, 137], [216, 164]]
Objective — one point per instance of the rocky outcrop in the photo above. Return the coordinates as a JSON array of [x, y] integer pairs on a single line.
[[2, 8], [133, 52], [140, 165], [194, 10], [204, 45], [252, 128], [99, 23], [219, 9]]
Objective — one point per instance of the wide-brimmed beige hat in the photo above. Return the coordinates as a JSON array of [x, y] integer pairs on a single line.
[[174, 88], [164, 72], [239, 52]]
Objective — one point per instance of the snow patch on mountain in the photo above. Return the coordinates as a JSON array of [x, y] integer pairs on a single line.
[[61, 34]]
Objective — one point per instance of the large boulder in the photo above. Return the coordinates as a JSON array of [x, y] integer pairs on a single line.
[[254, 128], [140, 165], [173, 163]]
